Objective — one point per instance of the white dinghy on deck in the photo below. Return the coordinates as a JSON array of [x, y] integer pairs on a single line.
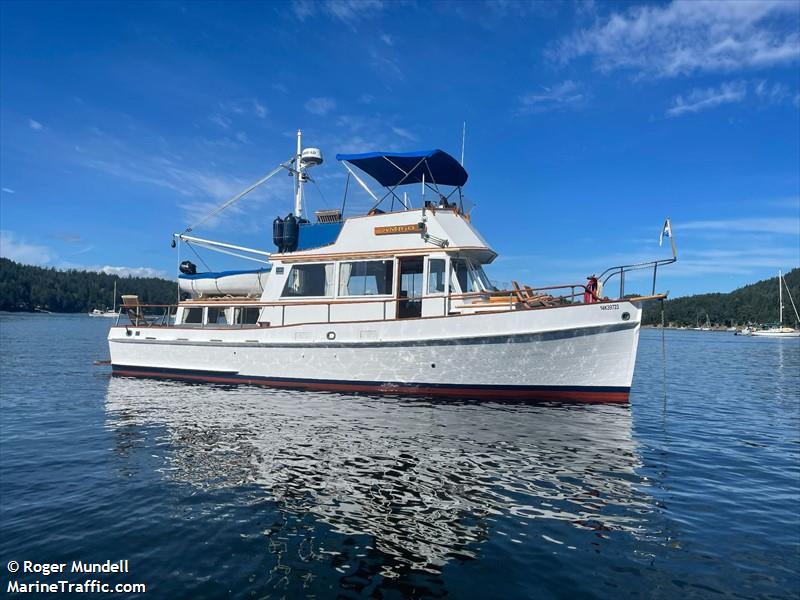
[[388, 302]]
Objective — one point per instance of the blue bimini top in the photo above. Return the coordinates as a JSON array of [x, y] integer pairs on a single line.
[[401, 168]]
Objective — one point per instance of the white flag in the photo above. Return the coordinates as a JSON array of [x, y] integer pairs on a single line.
[[667, 231]]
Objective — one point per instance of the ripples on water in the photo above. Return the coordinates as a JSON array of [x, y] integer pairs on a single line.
[[237, 491]]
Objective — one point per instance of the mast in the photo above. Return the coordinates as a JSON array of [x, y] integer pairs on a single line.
[[298, 178], [114, 300], [780, 295]]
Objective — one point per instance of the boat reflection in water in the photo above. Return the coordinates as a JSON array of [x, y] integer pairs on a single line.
[[427, 482]]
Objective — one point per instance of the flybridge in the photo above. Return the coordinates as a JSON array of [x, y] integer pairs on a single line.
[[432, 169]]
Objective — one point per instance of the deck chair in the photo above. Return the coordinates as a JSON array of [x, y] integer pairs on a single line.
[[134, 309]]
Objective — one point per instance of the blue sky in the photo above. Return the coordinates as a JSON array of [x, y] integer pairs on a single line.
[[587, 124]]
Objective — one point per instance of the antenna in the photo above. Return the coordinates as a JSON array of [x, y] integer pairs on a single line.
[[463, 140], [304, 159], [298, 178]]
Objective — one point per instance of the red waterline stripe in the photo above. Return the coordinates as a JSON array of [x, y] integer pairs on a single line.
[[588, 395]]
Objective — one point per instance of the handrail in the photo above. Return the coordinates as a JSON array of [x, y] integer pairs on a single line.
[[620, 270], [138, 317]]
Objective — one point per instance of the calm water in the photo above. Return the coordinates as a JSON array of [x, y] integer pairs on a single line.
[[214, 491]]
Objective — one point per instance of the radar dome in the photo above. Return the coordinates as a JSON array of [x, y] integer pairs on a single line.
[[311, 157]]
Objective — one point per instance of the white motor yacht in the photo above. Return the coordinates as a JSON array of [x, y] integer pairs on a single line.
[[392, 301]]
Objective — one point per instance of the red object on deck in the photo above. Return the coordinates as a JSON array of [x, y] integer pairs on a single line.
[[590, 295]]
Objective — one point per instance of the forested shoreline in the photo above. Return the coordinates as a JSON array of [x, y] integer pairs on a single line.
[[755, 303], [25, 288], [29, 288]]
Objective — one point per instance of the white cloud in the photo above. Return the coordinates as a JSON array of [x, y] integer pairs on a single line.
[[320, 106], [220, 120], [385, 64], [351, 11], [743, 261], [9, 190], [353, 133], [685, 37], [703, 99], [21, 251], [35, 125], [130, 271], [260, 110], [303, 9], [387, 39], [775, 93], [772, 225], [558, 97], [279, 87], [404, 133], [346, 11], [240, 107]]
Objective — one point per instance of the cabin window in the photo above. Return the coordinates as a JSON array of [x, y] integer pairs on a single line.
[[216, 316], [366, 278], [309, 280], [470, 278], [246, 315], [193, 315], [436, 276]]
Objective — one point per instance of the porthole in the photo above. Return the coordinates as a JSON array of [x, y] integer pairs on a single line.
[[331, 335], [626, 316]]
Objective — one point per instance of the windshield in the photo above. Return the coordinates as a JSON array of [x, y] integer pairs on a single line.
[[470, 277]]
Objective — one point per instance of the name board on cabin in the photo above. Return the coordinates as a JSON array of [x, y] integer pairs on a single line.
[[393, 229]]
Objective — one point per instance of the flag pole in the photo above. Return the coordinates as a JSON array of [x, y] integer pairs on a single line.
[[672, 241]]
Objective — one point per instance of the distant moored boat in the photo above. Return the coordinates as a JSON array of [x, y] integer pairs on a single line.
[[111, 312], [780, 331]]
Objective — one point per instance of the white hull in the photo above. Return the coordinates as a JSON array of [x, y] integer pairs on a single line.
[[776, 334], [105, 313], [582, 352]]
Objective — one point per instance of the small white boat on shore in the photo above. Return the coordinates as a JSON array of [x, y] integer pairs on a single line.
[[393, 302]]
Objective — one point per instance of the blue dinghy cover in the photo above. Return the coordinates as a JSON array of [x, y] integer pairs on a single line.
[[401, 168]]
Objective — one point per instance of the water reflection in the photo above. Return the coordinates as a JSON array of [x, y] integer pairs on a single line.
[[426, 482]]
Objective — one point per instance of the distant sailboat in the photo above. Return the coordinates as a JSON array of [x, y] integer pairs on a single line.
[[706, 327], [781, 331], [107, 313]]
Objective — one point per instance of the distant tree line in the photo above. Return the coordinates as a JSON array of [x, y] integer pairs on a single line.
[[28, 288], [756, 303]]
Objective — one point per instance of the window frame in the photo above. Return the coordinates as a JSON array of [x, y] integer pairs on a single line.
[[392, 283], [437, 294], [220, 310], [334, 283], [188, 309]]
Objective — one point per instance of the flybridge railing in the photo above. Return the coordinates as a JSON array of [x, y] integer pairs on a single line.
[[621, 270]]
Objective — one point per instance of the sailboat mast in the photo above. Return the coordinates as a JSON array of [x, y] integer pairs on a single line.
[[780, 294], [114, 300]]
